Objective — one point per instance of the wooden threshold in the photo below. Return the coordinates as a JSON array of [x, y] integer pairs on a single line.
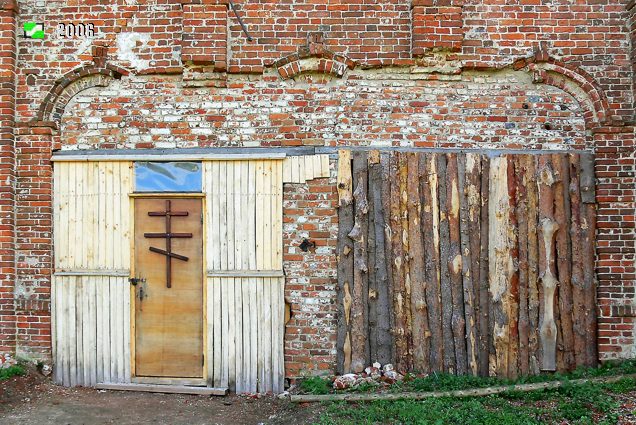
[[186, 382], [169, 389]]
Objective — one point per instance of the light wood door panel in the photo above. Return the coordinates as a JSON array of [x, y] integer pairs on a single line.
[[169, 320]]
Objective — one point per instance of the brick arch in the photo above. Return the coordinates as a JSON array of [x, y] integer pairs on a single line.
[[73, 82], [574, 81]]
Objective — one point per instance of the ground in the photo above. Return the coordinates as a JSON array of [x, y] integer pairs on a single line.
[[34, 400]]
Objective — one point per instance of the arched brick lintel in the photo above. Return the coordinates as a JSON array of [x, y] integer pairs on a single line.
[[70, 84], [574, 81]]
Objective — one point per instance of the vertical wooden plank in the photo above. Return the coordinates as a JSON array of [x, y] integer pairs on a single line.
[[267, 216], [484, 267], [445, 279], [430, 224], [86, 329], [216, 327], [253, 320], [276, 342], [238, 334], [345, 261], [261, 338], [277, 217], [281, 334], [72, 331], [251, 215], [454, 263], [500, 263], [372, 248], [99, 334], [324, 160], [419, 307], [126, 328], [54, 331], [359, 318], [126, 228], [267, 330], [64, 334], [260, 206], [106, 300], [287, 175], [232, 330], [79, 322], [231, 187], [223, 217], [318, 168], [228, 339], [547, 266], [308, 161], [534, 354], [112, 308]]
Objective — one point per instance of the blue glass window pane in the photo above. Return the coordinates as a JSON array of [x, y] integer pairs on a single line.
[[168, 176]]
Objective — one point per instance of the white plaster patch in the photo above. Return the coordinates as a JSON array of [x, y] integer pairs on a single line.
[[126, 45]]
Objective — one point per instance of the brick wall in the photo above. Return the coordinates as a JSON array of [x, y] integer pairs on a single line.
[[426, 73]]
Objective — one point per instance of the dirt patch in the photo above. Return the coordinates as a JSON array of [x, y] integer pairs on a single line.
[[34, 400]]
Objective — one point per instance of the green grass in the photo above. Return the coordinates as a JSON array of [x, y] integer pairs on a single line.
[[573, 404], [16, 370]]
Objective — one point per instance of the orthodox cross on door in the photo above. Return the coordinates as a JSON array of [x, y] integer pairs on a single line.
[[168, 235]]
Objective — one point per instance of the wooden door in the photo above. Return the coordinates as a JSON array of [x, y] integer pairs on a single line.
[[169, 303]]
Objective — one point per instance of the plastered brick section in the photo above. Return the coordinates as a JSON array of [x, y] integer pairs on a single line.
[[204, 38], [309, 212], [436, 26]]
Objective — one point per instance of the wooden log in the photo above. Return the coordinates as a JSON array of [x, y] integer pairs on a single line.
[[419, 308], [345, 262], [523, 180], [475, 392], [484, 284], [564, 256], [547, 265], [454, 263], [380, 186], [468, 191], [359, 312], [388, 320], [373, 158], [446, 294], [399, 274], [588, 228], [430, 224], [534, 353], [513, 295], [407, 358], [500, 263], [578, 298]]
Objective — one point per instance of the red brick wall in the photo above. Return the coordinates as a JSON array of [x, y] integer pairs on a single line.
[[429, 73], [7, 177], [310, 335]]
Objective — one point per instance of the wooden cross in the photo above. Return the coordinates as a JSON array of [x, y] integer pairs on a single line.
[[168, 235]]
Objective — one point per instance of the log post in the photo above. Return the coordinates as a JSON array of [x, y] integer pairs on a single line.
[[345, 262], [484, 284], [419, 308], [547, 267], [500, 263], [446, 295], [523, 180], [359, 307], [430, 223], [513, 294], [454, 263], [534, 353]]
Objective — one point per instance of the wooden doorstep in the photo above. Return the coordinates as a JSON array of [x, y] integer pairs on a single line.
[[179, 382], [170, 389]]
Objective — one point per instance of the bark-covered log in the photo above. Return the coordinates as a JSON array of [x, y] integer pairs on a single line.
[[430, 224], [381, 190], [454, 263], [359, 233], [578, 297], [500, 262], [469, 193], [446, 295], [523, 180], [373, 158], [399, 266], [419, 308], [547, 265], [407, 358], [513, 296], [484, 285], [588, 228], [389, 166], [534, 352], [564, 256], [345, 261]]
